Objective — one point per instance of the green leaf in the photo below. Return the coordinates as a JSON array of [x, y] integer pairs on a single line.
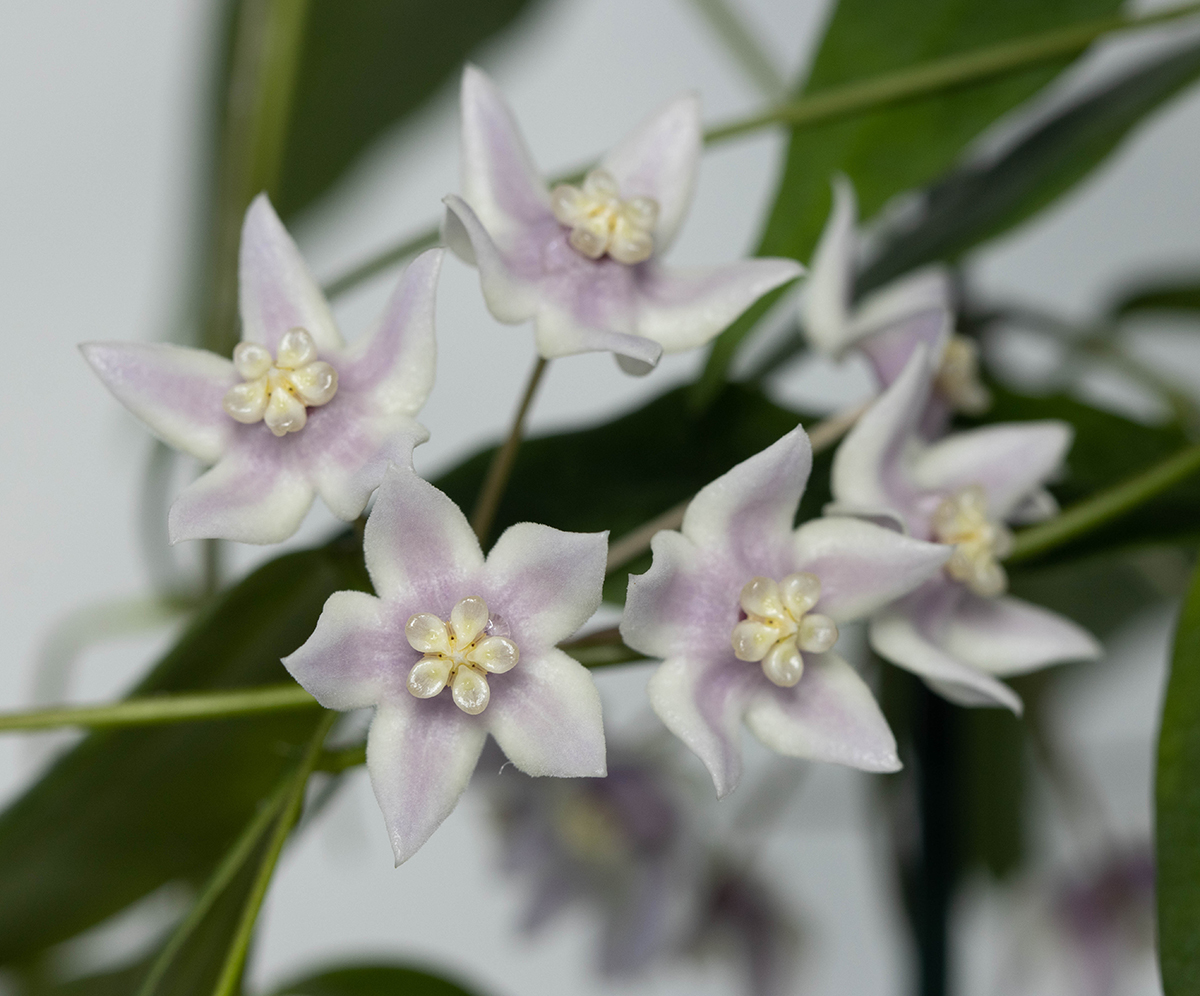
[[363, 67], [983, 199], [128, 810], [373, 980], [1177, 798], [896, 148], [1173, 296]]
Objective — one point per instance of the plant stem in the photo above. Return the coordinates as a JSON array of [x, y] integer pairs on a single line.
[[633, 544], [225, 872], [156, 709], [1111, 503], [856, 98], [741, 44], [502, 463], [231, 973]]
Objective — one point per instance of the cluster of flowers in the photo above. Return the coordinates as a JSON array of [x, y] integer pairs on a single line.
[[742, 608]]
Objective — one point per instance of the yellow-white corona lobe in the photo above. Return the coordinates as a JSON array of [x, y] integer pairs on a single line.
[[958, 377], [458, 653], [602, 222], [961, 520], [779, 625], [280, 391]]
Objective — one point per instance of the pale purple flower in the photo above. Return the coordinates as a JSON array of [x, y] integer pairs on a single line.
[[456, 647], [743, 610], [297, 412], [889, 323], [959, 632], [584, 262]]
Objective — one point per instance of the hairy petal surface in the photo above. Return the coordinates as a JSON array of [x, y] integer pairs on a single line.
[[420, 755], [175, 390], [660, 605], [829, 716]]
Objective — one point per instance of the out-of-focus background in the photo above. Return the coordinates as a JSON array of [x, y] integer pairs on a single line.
[[100, 108]]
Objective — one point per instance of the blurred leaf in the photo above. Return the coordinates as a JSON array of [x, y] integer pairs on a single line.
[[993, 773], [982, 199], [128, 810], [1178, 810], [896, 148], [373, 980], [363, 67], [1180, 295]]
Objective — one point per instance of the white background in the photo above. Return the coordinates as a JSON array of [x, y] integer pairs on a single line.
[[98, 111]]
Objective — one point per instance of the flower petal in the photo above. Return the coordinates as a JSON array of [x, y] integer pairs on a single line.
[[659, 159], [867, 471], [829, 716], [686, 308], [250, 496], [351, 659], [702, 703], [394, 366], [414, 534], [509, 298], [928, 289], [500, 181], [276, 291], [863, 566], [825, 305], [889, 349], [559, 332], [420, 755], [545, 715], [176, 391], [1011, 461], [549, 579], [658, 612], [751, 507], [894, 635], [1006, 636]]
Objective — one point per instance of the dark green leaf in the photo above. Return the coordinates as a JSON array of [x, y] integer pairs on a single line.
[[127, 810], [1179, 295], [897, 148], [373, 980], [1178, 810], [983, 199]]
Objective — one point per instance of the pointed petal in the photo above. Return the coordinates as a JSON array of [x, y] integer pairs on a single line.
[[276, 291], [394, 366], [863, 566], [894, 636], [660, 604], [250, 496], [352, 659], [1005, 636], [420, 755], [545, 715], [829, 716], [500, 181], [751, 507], [548, 579], [415, 533], [867, 471], [509, 298], [1011, 461], [660, 160], [889, 349], [702, 703], [560, 332], [176, 391], [686, 308], [825, 306], [927, 289]]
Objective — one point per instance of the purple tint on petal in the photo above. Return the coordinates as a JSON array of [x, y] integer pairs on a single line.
[[889, 349]]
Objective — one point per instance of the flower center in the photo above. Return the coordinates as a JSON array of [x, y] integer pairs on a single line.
[[958, 377], [778, 625], [279, 391], [979, 542], [458, 653], [601, 222]]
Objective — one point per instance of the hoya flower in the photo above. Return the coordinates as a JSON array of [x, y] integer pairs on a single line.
[[583, 262], [297, 412], [743, 610], [889, 323], [960, 632], [456, 647]]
